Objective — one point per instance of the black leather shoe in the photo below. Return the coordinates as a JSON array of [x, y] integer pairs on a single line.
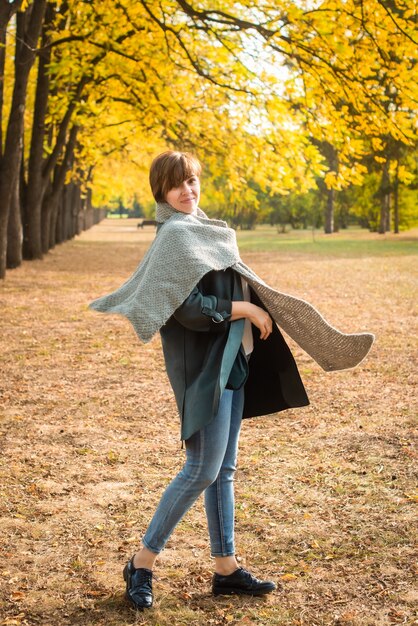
[[138, 585], [241, 582]]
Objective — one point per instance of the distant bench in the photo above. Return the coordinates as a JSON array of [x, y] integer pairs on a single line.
[[147, 223]]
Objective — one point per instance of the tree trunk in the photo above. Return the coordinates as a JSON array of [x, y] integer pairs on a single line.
[[26, 42], [396, 200], [3, 37], [37, 182], [329, 212], [14, 229], [54, 221], [51, 200], [46, 219], [332, 158], [388, 212], [70, 199], [88, 211], [7, 10], [384, 193], [76, 210], [59, 225]]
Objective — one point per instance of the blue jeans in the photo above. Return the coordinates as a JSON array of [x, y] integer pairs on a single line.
[[211, 456]]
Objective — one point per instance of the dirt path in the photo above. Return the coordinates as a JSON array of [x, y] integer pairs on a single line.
[[325, 495]]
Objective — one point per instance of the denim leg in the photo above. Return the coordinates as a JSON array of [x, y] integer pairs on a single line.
[[219, 496], [205, 452]]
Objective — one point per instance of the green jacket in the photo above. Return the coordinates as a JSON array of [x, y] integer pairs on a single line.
[[203, 356]]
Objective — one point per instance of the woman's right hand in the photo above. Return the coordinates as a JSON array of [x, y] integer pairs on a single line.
[[262, 320], [257, 316]]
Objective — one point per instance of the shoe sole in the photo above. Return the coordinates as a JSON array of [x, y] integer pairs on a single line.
[[241, 592]]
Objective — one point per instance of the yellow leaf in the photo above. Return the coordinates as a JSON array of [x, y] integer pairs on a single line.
[[413, 497], [286, 577]]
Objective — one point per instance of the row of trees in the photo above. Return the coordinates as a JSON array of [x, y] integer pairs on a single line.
[[273, 98], [353, 205]]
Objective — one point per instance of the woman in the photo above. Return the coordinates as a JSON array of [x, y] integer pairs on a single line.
[[225, 359]]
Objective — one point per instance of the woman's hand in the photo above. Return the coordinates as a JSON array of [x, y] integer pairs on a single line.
[[257, 316], [262, 320]]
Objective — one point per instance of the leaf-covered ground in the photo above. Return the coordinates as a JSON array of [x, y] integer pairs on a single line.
[[326, 495]]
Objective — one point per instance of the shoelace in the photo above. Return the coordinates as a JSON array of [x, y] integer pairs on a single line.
[[142, 577], [250, 578]]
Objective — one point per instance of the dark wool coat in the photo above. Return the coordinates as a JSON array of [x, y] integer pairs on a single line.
[[203, 354]]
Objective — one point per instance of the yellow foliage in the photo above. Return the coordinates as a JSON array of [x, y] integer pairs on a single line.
[[254, 89]]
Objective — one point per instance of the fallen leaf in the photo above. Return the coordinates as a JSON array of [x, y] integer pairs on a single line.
[[286, 577]]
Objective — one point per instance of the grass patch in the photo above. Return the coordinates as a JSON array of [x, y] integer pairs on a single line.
[[347, 243]]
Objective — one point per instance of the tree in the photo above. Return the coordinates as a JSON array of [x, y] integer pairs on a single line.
[[254, 90], [28, 29]]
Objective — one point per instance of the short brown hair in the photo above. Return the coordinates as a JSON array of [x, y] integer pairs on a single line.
[[169, 170]]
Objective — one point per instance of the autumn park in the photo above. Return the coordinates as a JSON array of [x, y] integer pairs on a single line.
[[304, 115]]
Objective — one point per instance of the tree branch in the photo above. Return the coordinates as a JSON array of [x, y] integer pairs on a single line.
[[390, 14]]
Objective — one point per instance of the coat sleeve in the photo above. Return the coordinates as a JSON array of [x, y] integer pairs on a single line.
[[204, 313]]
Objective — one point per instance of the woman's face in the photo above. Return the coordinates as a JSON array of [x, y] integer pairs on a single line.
[[185, 198]]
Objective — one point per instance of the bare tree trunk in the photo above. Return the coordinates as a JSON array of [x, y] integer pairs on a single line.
[[46, 219], [396, 200], [70, 199], [59, 227], [329, 212], [88, 211], [384, 193], [37, 182], [14, 229], [53, 225], [28, 30], [388, 212], [332, 157], [7, 10], [51, 199], [76, 210], [3, 37]]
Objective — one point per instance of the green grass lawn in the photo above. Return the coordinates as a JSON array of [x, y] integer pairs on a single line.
[[353, 242]]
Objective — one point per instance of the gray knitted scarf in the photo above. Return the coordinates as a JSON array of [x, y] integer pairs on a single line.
[[189, 246]]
